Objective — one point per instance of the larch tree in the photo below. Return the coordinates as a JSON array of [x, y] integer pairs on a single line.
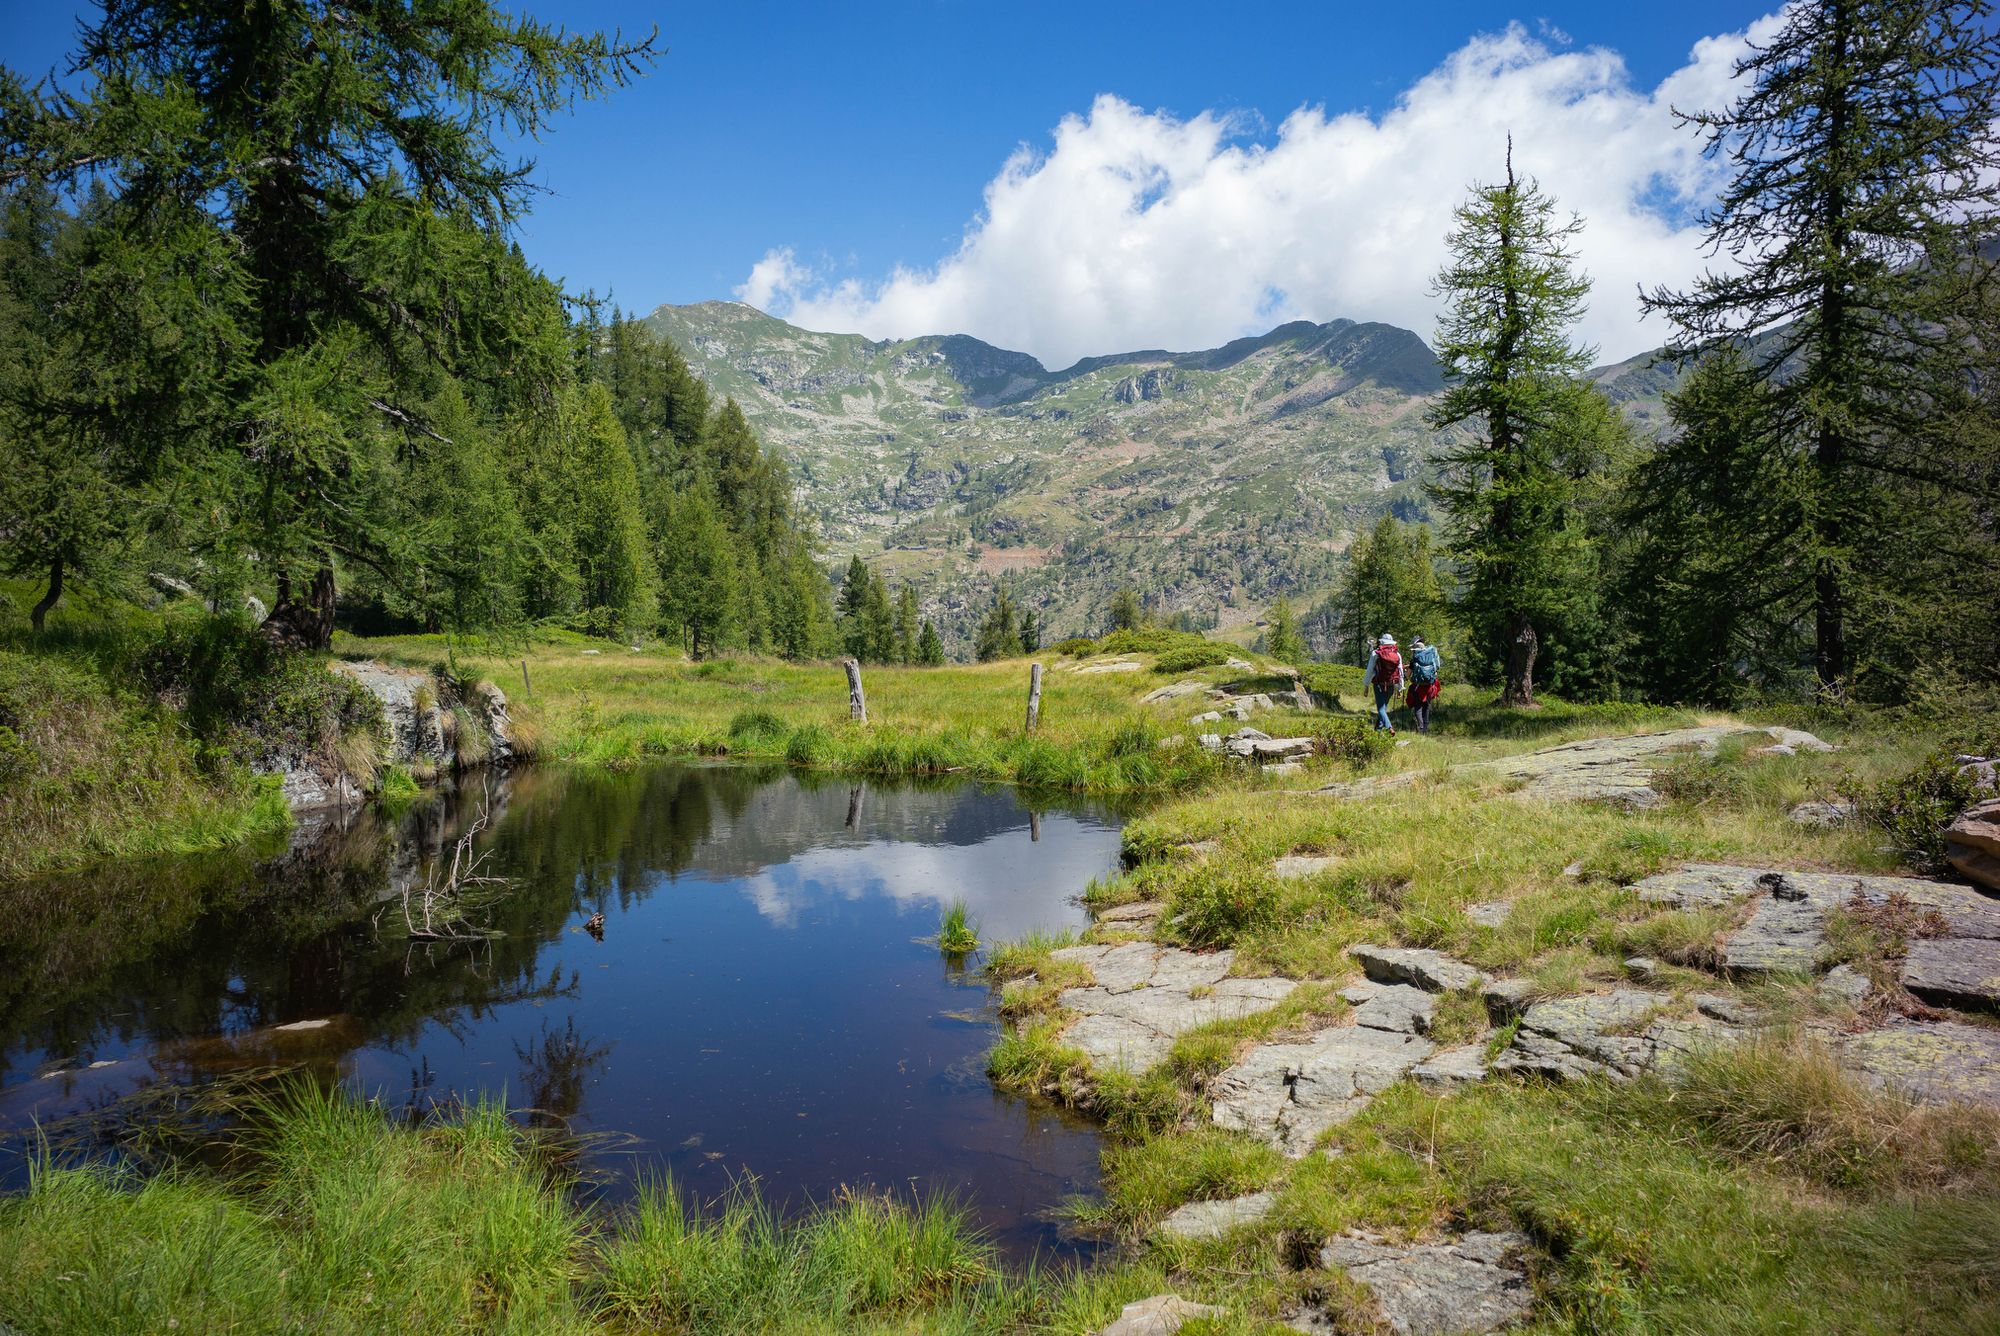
[[1858, 231], [352, 155], [1513, 294]]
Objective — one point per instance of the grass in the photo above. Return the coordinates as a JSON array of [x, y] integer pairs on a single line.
[[957, 935]]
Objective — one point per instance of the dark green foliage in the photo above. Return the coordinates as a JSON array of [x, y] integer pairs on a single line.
[[1285, 640], [756, 726], [1916, 807], [868, 624], [1031, 633], [999, 634], [930, 649], [249, 696], [909, 639], [1392, 585], [1220, 910], [1350, 741], [1327, 681], [1126, 612], [1187, 658], [1513, 377], [1076, 647], [1862, 141], [1150, 640]]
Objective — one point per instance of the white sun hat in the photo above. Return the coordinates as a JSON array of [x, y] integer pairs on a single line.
[[1388, 640]]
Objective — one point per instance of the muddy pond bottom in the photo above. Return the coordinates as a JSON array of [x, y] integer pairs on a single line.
[[757, 1002]]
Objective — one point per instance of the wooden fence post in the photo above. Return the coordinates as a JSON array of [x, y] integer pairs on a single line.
[[857, 703], [1034, 695], [530, 686]]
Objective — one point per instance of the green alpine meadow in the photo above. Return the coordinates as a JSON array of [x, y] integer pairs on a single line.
[[636, 695]]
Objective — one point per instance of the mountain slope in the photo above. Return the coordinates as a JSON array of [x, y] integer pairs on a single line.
[[1210, 480]]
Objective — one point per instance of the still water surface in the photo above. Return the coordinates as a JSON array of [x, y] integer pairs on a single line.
[[760, 1003]]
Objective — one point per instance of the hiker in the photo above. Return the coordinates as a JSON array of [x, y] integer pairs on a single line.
[[1385, 676], [1425, 665]]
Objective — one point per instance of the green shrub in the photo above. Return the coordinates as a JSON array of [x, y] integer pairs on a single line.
[[749, 728], [1187, 658], [1328, 681], [1076, 647], [1915, 808], [811, 745], [1149, 640], [1217, 911], [1351, 741]]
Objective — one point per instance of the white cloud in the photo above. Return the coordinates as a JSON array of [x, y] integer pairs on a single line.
[[1137, 229]]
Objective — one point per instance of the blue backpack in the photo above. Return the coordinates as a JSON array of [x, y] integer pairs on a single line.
[[1424, 666]]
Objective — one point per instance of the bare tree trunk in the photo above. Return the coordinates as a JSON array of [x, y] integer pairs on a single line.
[[857, 701], [303, 622], [1522, 646], [40, 611], [1034, 695]]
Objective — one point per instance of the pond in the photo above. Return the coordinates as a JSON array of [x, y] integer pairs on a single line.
[[757, 1002]]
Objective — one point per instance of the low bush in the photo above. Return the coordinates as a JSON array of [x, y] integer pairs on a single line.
[[1150, 640], [1076, 647], [1915, 807], [1187, 658], [1351, 741], [1329, 681], [1218, 910]]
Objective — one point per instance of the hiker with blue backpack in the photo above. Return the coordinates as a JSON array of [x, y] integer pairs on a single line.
[[1426, 664], [1385, 677]]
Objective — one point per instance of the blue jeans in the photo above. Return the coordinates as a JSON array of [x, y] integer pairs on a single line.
[[1383, 695]]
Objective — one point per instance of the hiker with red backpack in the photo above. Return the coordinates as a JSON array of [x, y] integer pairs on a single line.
[[1385, 676], [1426, 665]]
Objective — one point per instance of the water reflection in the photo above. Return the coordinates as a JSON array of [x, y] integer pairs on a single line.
[[755, 998]]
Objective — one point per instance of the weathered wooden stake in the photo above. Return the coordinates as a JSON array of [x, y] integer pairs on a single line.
[[857, 702], [1034, 695], [1034, 826], [528, 686]]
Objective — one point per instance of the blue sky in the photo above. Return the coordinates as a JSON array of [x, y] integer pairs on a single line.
[[860, 137]]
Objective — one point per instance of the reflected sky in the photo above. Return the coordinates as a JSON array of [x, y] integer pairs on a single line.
[[761, 1003]]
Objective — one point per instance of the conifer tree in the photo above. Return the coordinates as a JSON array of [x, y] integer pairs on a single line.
[[999, 634], [1392, 585], [1512, 295], [1126, 612], [1284, 641], [1031, 632], [1867, 178], [350, 155], [930, 649], [906, 626], [697, 557]]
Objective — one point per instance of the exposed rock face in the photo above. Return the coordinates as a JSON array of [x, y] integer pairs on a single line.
[[1955, 971], [1212, 1219], [1822, 814], [1392, 1006], [1454, 1066], [1470, 1284], [1287, 1094], [1137, 916], [1786, 931], [1432, 970], [1933, 1063], [1617, 1034], [1146, 995], [1972, 843], [1161, 1315]]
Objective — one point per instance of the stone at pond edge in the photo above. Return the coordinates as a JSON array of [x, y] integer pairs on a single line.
[[1212, 1219], [1471, 1284], [1161, 1315], [1286, 1094]]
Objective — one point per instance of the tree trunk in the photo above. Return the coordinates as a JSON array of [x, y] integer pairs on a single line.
[[40, 611], [303, 622], [1522, 646], [857, 702], [1034, 695]]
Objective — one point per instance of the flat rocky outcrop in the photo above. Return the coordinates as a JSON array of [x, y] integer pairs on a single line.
[[1930, 1063], [1286, 1094], [1618, 1034], [1161, 1315], [1972, 842], [1146, 996], [1472, 1284], [1213, 1219], [1954, 941], [1431, 970]]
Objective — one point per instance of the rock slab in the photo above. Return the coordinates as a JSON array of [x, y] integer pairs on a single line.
[[1213, 1219], [1161, 1315], [1145, 996], [1930, 1063], [1430, 970], [1972, 843], [1286, 1094], [1470, 1284]]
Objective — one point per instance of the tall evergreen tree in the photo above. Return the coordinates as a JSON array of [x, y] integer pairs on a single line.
[[1284, 640], [700, 580], [1867, 178], [1031, 632], [1392, 585], [906, 626], [1126, 612], [351, 155], [999, 633], [1512, 296], [930, 649]]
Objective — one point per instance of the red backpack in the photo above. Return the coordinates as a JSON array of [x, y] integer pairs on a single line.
[[1387, 664]]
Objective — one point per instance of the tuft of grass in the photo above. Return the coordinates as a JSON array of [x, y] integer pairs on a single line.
[[957, 934]]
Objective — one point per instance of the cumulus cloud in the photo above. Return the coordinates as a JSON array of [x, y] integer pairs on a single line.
[[1138, 229]]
